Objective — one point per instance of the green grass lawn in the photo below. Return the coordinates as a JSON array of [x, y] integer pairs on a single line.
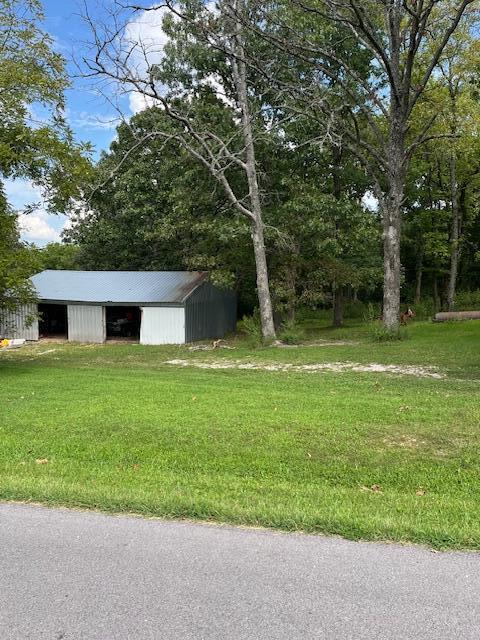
[[115, 428]]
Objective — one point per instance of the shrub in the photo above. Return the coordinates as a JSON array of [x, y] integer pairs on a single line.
[[371, 312], [251, 328], [291, 333], [379, 333], [424, 310], [468, 300], [358, 310]]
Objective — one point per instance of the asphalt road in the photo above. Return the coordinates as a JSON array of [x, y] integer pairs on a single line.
[[69, 575]]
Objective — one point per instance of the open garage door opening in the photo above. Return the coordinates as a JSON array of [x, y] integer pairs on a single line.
[[52, 321], [123, 323]]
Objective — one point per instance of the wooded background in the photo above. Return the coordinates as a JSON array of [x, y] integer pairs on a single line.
[[308, 153]]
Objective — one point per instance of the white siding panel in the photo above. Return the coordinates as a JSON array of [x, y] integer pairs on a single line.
[[14, 324], [86, 323], [162, 325]]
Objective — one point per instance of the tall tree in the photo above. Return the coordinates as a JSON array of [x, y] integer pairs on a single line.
[[405, 41], [445, 176], [35, 147], [459, 80], [207, 53]]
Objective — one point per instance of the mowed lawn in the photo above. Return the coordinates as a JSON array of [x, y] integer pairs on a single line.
[[363, 455]]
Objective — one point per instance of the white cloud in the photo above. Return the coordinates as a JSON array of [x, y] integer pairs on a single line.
[[21, 192], [39, 226], [92, 121], [138, 102], [216, 83], [36, 227], [147, 31], [148, 38], [370, 202]]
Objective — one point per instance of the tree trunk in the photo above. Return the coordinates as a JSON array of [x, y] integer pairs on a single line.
[[454, 236], [240, 78], [263, 285], [391, 256], [291, 282], [338, 306], [436, 300], [392, 220], [263, 289], [419, 275], [391, 265], [337, 193]]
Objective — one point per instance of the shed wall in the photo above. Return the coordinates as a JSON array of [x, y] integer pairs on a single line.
[[86, 323], [162, 325], [14, 324], [210, 312]]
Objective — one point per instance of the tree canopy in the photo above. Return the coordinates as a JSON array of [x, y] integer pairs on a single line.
[[35, 142], [267, 128]]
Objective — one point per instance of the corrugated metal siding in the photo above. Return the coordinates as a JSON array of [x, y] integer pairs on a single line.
[[86, 323], [162, 325], [210, 312], [14, 324]]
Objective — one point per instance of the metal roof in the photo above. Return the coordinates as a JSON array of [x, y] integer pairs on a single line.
[[129, 287]]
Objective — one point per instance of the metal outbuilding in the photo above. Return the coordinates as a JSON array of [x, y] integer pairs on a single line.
[[153, 307]]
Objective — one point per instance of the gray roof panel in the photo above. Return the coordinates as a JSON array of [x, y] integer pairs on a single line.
[[129, 287]]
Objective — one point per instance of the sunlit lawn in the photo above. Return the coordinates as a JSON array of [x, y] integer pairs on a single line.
[[374, 456]]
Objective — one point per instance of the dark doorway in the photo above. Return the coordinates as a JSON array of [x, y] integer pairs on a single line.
[[123, 322], [53, 321]]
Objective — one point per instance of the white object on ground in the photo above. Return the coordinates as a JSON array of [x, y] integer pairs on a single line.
[[406, 370], [14, 343]]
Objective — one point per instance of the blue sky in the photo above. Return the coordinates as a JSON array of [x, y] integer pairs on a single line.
[[89, 115]]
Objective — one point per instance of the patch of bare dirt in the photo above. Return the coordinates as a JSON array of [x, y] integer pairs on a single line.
[[331, 343], [337, 367], [404, 442]]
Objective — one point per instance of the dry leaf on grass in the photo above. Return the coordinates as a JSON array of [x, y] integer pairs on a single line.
[[404, 408], [41, 461], [375, 488]]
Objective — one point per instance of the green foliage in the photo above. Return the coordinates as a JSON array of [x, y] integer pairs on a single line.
[[150, 215], [453, 103], [56, 255], [424, 309], [320, 240], [35, 142], [250, 327], [291, 333], [379, 333], [371, 312], [158, 208], [468, 300], [17, 263]]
